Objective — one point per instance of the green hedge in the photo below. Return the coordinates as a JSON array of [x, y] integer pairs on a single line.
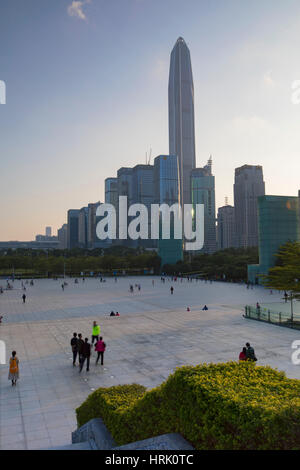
[[214, 406]]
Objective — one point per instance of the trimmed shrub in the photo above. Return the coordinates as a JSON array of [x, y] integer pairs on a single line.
[[214, 406]]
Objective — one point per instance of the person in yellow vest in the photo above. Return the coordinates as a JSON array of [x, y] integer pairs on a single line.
[[96, 332], [13, 368]]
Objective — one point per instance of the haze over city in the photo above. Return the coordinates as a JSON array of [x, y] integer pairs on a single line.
[[87, 93]]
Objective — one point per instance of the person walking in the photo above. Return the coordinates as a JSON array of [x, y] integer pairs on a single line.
[[80, 344], [96, 332], [100, 349], [13, 374], [74, 346], [172, 290], [250, 353], [24, 298], [86, 354], [243, 355]]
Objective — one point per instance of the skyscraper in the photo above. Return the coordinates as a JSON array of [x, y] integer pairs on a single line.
[[203, 192], [111, 191], [82, 227], [278, 223], [73, 217], [226, 227], [62, 236], [92, 219], [167, 191], [248, 186], [143, 193], [181, 115], [48, 232]]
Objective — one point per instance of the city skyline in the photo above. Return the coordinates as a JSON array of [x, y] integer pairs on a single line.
[[59, 127]]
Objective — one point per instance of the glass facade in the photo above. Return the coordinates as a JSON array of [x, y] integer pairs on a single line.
[[278, 223], [203, 192], [181, 115], [111, 191], [226, 227], [143, 193], [73, 233], [248, 186], [167, 190], [82, 227]]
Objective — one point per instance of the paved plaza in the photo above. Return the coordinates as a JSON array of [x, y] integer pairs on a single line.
[[153, 335]]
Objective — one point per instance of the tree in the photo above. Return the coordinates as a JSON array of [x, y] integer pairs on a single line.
[[285, 275]]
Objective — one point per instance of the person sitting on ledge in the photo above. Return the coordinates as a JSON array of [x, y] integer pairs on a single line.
[[205, 307], [243, 355], [112, 314]]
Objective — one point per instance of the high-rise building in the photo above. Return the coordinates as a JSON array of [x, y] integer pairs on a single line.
[[125, 188], [167, 191], [48, 232], [181, 115], [62, 236], [248, 186], [83, 227], [226, 227], [111, 191], [143, 193], [73, 216], [92, 220], [203, 192], [278, 223]]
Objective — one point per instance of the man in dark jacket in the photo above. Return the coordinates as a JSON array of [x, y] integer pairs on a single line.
[[250, 354], [80, 344], [74, 346], [86, 354]]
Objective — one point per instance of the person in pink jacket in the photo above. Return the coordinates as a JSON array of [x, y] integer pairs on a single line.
[[100, 348]]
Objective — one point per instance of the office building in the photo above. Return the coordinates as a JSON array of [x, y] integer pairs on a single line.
[[48, 232], [62, 236], [278, 223], [248, 186], [203, 192], [92, 220], [226, 227], [181, 115], [143, 193], [167, 191], [73, 217], [111, 191], [83, 227]]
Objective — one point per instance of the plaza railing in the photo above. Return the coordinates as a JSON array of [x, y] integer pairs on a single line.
[[271, 316]]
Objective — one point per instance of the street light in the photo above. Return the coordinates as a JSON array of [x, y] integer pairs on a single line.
[[292, 309]]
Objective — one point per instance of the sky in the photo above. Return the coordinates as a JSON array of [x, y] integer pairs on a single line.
[[87, 93]]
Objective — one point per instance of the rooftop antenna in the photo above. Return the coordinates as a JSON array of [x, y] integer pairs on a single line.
[[209, 164], [150, 154]]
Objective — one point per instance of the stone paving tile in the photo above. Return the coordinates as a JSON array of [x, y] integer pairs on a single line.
[[153, 335]]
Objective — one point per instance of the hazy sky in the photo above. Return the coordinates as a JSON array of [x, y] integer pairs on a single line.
[[87, 93]]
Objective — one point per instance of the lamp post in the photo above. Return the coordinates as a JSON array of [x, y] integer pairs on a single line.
[[292, 308]]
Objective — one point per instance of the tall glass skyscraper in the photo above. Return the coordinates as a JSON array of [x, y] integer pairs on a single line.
[[181, 115], [167, 191], [73, 218], [248, 186], [203, 192]]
